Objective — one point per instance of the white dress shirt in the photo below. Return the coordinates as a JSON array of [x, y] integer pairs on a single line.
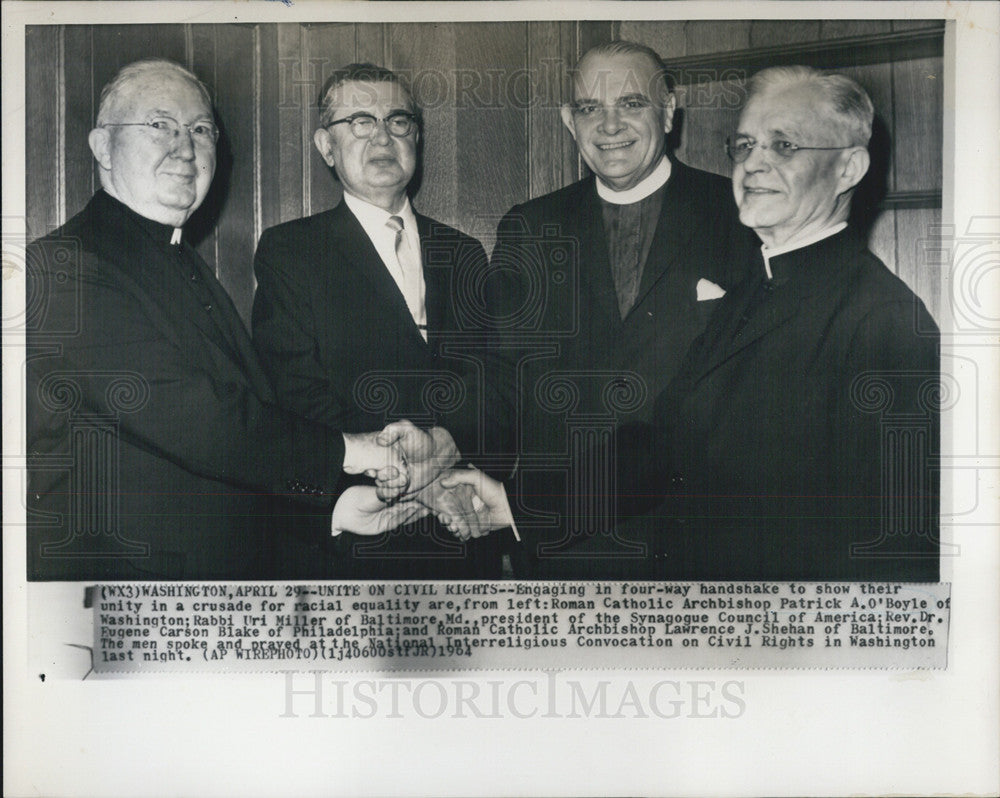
[[373, 220]]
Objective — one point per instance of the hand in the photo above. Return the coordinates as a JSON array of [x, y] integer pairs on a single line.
[[364, 454], [459, 505], [361, 511], [495, 511], [424, 454]]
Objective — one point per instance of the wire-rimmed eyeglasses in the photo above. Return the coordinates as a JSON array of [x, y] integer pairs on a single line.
[[740, 149], [399, 124], [166, 129]]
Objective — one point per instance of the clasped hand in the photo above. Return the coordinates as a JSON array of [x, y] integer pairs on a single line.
[[402, 458], [404, 461], [414, 477]]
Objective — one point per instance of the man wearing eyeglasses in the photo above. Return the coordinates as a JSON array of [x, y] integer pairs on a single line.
[[354, 304], [799, 435], [604, 284], [152, 429]]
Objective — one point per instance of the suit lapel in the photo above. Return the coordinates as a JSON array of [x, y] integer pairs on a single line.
[[236, 335], [594, 264], [437, 286], [677, 224], [360, 257], [777, 310]]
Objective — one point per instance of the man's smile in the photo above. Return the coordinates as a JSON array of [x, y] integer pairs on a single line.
[[618, 145]]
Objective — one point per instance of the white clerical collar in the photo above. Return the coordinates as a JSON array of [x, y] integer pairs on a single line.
[[797, 243], [649, 184], [175, 237], [373, 218]]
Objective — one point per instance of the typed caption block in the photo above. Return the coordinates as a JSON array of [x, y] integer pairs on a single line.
[[447, 626]]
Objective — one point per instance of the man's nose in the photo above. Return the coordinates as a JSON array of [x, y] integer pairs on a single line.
[[381, 133], [756, 161], [611, 120], [183, 144]]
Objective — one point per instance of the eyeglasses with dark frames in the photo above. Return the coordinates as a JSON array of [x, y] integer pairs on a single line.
[[399, 124]]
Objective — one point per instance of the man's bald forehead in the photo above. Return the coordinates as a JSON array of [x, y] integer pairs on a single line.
[[132, 78], [639, 72]]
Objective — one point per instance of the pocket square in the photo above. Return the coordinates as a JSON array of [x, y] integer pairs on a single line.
[[708, 290]]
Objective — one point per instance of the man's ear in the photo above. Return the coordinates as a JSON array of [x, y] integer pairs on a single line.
[[567, 117], [100, 144], [669, 106], [323, 140], [854, 168]]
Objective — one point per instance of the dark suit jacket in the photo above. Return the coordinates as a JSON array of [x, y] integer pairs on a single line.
[[151, 425], [799, 438], [577, 370], [341, 347]]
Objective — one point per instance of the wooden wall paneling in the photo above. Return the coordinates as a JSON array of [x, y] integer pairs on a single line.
[[707, 114], [325, 48], [591, 33], [824, 54], [915, 24], [769, 33], [235, 232], [81, 95], [918, 92], [551, 151], [917, 232], [882, 239], [867, 206], [269, 126], [291, 96], [202, 229], [717, 36], [669, 39], [846, 28], [370, 43], [495, 90], [424, 53], [117, 45], [43, 154]]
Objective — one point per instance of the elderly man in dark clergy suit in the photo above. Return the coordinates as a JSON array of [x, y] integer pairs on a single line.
[[151, 426], [599, 289], [355, 306]]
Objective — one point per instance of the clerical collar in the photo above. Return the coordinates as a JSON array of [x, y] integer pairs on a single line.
[[648, 185], [797, 243]]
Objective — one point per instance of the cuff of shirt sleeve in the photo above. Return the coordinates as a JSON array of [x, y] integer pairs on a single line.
[[510, 514]]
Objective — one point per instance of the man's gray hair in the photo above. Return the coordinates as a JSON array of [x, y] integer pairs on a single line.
[[846, 98], [112, 92], [625, 47], [361, 73]]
